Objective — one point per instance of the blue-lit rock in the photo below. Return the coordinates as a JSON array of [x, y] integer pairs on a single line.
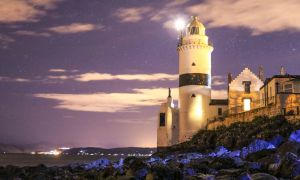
[[255, 146], [277, 140], [98, 164], [220, 151], [295, 136]]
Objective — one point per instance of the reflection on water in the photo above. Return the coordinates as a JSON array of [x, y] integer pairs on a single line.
[[48, 160]]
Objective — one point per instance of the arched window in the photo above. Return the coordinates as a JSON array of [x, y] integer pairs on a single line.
[[193, 96], [193, 64]]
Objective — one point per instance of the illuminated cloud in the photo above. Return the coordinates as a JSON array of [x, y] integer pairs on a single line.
[[134, 14], [9, 79], [218, 80], [57, 70], [5, 40], [256, 15], [75, 28], [32, 33], [109, 102], [139, 77], [12, 11]]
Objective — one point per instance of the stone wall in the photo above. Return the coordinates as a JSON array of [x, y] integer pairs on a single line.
[[289, 102]]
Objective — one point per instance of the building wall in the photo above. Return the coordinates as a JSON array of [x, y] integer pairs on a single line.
[[288, 101], [237, 94]]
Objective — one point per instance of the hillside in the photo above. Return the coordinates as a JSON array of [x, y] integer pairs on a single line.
[[237, 135]]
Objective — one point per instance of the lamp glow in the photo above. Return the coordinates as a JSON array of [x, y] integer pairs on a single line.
[[179, 24]]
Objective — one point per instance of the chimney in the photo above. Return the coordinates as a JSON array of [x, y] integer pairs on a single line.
[[261, 73], [229, 78], [282, 71]]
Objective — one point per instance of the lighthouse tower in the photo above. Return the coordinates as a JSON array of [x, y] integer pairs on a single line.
[[194, 52]]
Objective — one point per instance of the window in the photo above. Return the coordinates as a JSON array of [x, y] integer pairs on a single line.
[[288, 88], [193, 64], [220, 112], [162, 119], [193, 95], [298, 110], [194, 30], [247, 104], [247, 85]]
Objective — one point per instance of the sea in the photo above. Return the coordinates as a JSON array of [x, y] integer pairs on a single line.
[[22, 160]]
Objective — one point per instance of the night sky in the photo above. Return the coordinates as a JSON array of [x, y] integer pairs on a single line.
[[93, 72]]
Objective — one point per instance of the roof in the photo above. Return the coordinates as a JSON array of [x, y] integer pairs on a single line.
[[218, 102], [195, 22], [292, 77]]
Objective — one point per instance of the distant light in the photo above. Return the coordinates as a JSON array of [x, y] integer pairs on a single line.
[[179, 24]]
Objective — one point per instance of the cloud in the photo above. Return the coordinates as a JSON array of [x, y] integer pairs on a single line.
[[218, 80], [133, 121], [256, 15], [109, 102], [5, 40], [134, 14], [32, 33], [75, 28], [219, 94], [13, 11], [57, 70], [9, 79], [139, 77]]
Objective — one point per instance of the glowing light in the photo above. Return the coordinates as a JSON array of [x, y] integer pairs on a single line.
[[179, 24], [247, 104]]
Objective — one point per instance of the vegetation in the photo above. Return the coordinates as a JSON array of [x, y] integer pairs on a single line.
[[236, 136]]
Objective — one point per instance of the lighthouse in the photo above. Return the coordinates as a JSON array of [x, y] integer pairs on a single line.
[[194, 51]]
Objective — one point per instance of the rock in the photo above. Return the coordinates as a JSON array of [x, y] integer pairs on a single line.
[[289, 146], [236, 153], [255, 146], [244, 176], [290, 166], [189, 172], [295, 136], [253, 165], [205, 177], [277, 140], [98, 164], [222, 163], [260, 154], [119, 164], [141, 174], [219, 151], [232, 172], [263, 176]]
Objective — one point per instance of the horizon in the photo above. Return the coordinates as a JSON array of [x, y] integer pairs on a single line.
[[93, 74]]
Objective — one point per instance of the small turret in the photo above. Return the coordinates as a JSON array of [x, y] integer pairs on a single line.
[[282, 71]]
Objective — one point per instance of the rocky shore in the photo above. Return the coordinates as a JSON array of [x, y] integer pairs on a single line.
[[272, 152]]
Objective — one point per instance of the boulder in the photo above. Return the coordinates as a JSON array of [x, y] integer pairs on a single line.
[[277, 140], [289, 146], [98, 164], [263, 176], [289, 167], [255, 146], [295, 136]]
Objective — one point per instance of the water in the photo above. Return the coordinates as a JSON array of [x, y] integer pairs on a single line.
[[48, 160]]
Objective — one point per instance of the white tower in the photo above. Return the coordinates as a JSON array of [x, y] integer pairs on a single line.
[[194, 52]]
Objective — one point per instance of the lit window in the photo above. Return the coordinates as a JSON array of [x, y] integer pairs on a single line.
[[247, 104], [162, 119]]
